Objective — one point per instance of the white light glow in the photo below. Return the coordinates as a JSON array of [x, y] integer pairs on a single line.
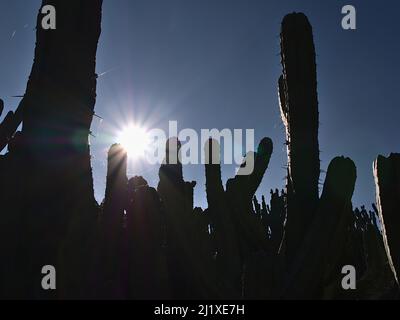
[[135, 140]]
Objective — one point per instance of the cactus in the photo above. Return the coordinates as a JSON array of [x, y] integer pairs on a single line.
[[111, 235], [315, 228], [387, 179], [238, 231], [177, 198], [146, 266], [299, 110], [228, 261], [52, 173], [143, 243], [276, 219], [240, 191], [116, 185], [378, 281], [306, 273]]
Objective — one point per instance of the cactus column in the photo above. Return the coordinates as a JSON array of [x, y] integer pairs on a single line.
[[387, 179], [57, 111], [299, 109], [177, 198]]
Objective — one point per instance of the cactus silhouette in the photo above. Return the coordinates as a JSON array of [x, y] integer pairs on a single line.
[[238, 232], [299, 110], [147, 243], [387, 178]]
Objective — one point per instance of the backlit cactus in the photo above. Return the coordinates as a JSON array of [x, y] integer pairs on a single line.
[[387, 179], [299, 110], [143, 243]]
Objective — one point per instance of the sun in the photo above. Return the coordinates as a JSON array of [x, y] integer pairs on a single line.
[[135, 140]]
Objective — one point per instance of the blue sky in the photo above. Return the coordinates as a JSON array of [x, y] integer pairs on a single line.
[[215, 64]]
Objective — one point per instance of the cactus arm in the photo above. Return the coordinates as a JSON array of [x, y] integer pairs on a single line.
[[305, 278]]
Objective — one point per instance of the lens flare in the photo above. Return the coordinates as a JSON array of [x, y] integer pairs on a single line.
[[135, 140]]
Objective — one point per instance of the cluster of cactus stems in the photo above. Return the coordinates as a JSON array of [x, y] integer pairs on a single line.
[[147, 243]]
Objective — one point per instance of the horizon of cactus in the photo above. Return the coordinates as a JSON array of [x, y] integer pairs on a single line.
[[151, 243]]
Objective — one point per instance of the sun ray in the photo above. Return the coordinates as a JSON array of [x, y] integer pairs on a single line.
[[135, 140]]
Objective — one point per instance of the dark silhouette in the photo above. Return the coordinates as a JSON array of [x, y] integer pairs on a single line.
[[387, 177], [299, 110], [143, 243]]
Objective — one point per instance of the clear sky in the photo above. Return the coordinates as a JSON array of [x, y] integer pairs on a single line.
[[215, 64]]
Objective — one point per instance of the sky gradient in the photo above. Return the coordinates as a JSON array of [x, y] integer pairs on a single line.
[[215, 64]]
